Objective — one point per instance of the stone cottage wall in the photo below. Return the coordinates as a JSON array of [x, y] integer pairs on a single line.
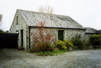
[[71, 33], [68, 33], [87, 38], [36, 30]]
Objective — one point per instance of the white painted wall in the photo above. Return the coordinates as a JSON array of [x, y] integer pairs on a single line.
[[21, 26]]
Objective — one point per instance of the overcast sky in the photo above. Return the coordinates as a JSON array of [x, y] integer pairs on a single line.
[[85, 12]]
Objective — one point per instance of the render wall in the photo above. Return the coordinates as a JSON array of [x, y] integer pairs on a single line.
[[17, 29], [68, 34]]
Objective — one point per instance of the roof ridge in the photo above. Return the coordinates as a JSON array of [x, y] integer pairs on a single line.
[[62, 21], [42, 12]]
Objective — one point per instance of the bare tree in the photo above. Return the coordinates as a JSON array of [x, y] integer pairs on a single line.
[[46, 9]]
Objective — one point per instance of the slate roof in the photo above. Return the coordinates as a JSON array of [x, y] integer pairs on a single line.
[[51, 20], [90, 30]]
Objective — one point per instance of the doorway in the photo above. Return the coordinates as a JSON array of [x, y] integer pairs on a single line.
[[21, 38], [61, 35]]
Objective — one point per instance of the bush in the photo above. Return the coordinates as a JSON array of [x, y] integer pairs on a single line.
[[1, 31], [86, 44], [68, 44], [43, 47], [43, 38], [95, 40], [31, 51], [51, 53], [78, 44], [45, 53], [61, 45]]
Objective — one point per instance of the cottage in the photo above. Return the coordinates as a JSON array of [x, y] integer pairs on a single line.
[[25, 21]]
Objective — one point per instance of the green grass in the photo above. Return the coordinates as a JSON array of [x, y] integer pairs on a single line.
[[51, 53]]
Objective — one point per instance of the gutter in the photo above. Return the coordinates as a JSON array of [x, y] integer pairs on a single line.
[[59, 28], [91, 33]]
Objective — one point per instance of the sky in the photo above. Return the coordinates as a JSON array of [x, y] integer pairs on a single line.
[[85, 12]]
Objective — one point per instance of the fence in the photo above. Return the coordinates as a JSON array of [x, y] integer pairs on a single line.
[[8, 40]]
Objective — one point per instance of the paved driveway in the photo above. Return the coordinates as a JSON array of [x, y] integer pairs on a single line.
[[12, 58]]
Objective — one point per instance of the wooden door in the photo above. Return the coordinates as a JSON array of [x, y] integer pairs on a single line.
[[61, 35]]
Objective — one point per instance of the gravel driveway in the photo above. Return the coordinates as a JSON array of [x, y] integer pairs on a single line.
[[13, 58]]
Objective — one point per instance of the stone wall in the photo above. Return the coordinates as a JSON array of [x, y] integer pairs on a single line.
[[68, 33], [54, 31]]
